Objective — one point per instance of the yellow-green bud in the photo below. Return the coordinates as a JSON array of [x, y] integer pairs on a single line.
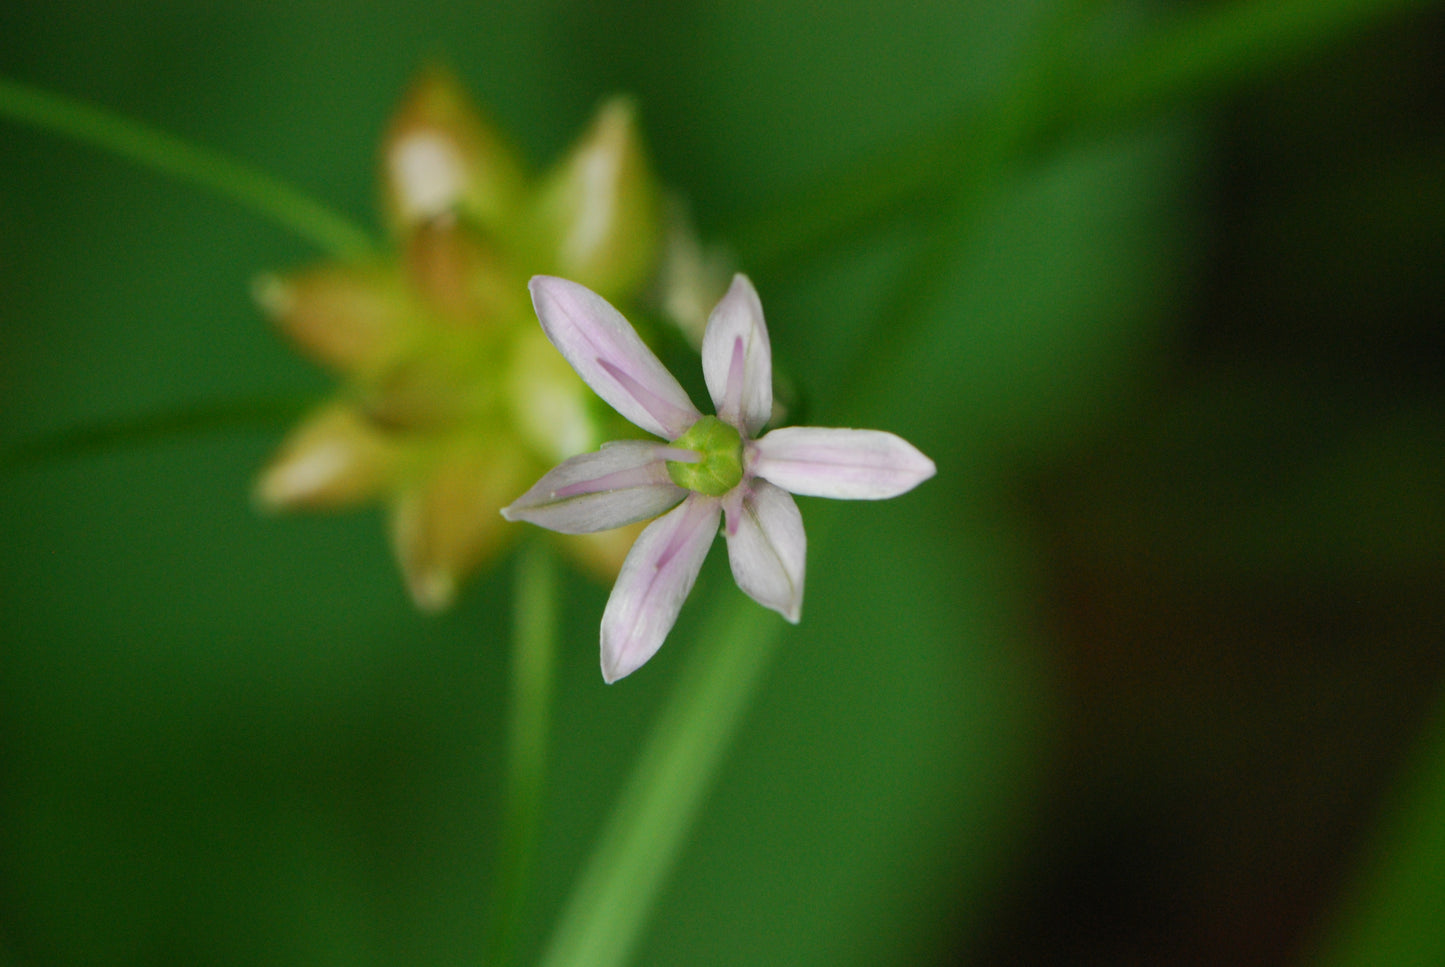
[[597, 215], [442, 155]]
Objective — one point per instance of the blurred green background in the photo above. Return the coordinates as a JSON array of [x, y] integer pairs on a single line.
[[1145, 675]]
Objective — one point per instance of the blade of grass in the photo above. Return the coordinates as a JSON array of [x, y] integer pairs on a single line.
[[1207, 52]]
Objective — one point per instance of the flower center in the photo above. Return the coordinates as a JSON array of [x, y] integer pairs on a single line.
[[721, 466]]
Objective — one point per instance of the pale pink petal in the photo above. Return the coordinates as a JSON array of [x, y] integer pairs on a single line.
[[655, 580], [622, 483], [610, 357], [847, 464], [737, 360], [767, 548]]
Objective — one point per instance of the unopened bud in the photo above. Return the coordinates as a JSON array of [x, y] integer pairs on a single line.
[[598, 212], [447, 521], [333, 459], [350, 317], [548, 404], [442, 157], [461, 279]]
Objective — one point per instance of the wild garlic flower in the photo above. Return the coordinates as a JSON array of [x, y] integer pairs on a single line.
[[712, 469], [451, 399]]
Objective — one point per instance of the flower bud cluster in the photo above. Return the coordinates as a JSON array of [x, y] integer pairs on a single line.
[[451, 398]]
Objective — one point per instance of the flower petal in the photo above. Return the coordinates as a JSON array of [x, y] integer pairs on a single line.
[[623, 482], [610, 357], [655, 580], [737, 360], [768, 548], [847, 464]]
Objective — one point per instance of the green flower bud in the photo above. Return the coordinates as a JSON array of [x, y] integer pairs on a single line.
[[721, 466]]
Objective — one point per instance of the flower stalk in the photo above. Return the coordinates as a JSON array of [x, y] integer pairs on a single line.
[[534, 648], [607, 911]]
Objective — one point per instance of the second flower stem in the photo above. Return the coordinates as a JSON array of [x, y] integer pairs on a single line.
[[534, 648]]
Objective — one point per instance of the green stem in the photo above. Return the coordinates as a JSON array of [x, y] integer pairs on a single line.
[[166, 153], [534, 646], [605, 916]]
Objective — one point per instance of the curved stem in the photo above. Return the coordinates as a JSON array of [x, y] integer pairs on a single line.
[[998, 138], [1195, 55], [534, 646], [1208, 49], [1200, 53], [166, 153]]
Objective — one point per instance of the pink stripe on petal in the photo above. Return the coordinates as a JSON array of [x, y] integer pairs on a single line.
[[610, 357], [667, 415], [768, 549], [655, 580], [737, 360], [733, 395], [621, 483], [845, 464]]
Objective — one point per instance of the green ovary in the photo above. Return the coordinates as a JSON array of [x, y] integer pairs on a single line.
[[721, 449]]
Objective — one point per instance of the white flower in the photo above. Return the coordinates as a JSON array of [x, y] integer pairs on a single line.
[[711, 469]]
